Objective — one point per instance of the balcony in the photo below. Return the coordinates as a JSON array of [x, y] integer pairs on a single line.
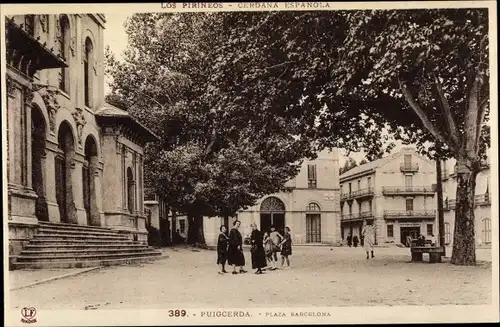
[[358, 194], [449, 205], [358, 216], [482, 200], [408, 190], [414, 214], [408, 168]]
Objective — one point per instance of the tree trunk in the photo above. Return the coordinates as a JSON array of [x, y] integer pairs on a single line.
[[439, 190], [464, 247], [195, 230]]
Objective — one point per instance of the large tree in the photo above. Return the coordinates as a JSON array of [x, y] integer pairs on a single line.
[[343, 77], [212, 160]]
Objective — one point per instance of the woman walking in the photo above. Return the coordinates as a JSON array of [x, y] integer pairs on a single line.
[[286, 248], [222, 249], [257, 250], [235, 252], [368, 238]]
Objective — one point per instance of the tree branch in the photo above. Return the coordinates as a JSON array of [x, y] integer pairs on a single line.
[[421, 114], [471, 117], [480, 120], [281, 64], [452, 127]]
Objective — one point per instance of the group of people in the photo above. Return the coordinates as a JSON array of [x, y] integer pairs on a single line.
[[367, 239], [264, 248]]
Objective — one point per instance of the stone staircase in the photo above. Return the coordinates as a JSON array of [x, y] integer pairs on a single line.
[[59, 245]]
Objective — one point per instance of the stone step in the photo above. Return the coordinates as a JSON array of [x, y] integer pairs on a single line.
[[84, 264], [55, 247], [46, 230], [72, 226], [58, 241], [84, 257], [43, 236], [81, 252]]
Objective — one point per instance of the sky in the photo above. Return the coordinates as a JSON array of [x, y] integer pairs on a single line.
[[116, 38]]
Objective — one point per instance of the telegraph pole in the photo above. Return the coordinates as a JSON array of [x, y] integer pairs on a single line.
[[439, 190]]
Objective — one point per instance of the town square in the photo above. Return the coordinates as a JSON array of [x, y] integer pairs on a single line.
[[249, 158]]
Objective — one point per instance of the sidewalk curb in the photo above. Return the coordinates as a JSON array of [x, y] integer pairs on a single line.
[[75, 273]]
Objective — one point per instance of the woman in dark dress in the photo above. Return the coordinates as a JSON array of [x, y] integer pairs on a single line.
[[222, 245], [235, 255], [258, 253]]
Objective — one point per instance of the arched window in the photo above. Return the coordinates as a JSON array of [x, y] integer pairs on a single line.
[[313, 207], [486, 230], [447, 233], [63, 39], [88, 65], [130, 190], [272, 204]]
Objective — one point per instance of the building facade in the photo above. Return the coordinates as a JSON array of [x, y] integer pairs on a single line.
[[482, 205], [394, 193], [309, 206], [71, 157]]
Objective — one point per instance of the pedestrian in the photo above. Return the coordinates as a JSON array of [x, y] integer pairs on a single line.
[[368, 237], [222, 249], [257, 249], [286, 248], [349, 240], [355, 241], [276, 239], [433, 240], [235, 255], [268, 247]]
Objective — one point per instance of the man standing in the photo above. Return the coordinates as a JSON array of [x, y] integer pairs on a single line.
[[368, 238]]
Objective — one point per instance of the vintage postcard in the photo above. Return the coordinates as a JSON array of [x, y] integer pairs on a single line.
[[250, 163]]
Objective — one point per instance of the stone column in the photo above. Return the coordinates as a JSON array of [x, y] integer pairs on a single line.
[[80, 216], [27, 151], [50, 185], [98, 195]]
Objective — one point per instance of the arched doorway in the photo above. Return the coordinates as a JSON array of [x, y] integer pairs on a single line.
[[272, 212], [64, 158], [313, 223], [38, 130], [89, 170], [130, 190]]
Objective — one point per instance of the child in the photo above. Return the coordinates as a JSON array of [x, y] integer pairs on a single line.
[[268, 247], [276, 239], [286, 248]]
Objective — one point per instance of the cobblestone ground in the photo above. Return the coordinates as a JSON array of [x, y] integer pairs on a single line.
[[320, 276]]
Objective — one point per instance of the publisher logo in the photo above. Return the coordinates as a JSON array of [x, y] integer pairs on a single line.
[[29, 315]]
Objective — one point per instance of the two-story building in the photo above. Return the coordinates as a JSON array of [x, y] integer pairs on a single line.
[[482, 203], [394, 193], [71, 157], [309, 206]]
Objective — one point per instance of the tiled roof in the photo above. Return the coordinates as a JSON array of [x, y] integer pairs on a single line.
[[368, 166]]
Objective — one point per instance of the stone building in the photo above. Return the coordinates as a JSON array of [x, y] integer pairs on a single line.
[[482, 210], [72, 158], [394, 193], [310, 206]]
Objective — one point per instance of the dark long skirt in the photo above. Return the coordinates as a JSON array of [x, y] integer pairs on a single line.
[[235, 257], [259, 258]]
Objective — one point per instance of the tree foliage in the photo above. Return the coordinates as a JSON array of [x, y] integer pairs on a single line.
[[213, 159], [349, 164]]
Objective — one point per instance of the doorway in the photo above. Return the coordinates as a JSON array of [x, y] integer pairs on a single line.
[[38, 130], [313, 228], [272, 212], [63, 169], [412, 232]]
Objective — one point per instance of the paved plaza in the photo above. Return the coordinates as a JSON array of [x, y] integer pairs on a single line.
[[320, 276]]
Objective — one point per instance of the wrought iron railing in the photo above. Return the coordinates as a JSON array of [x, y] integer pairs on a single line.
[[363, 192], [359, 215], [482, 199], [409, 214], [408, 168], [395, 190]]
